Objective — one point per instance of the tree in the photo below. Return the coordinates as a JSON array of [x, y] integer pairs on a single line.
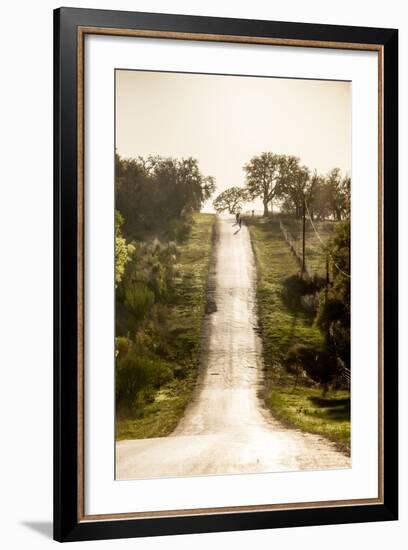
[[181, 187], [346, 196], [231, 199], [152, 191], [338, 194], [317, 197], [328, 196], [263, 177], [294, 185]]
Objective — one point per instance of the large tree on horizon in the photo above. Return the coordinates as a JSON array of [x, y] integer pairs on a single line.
[[294, 185], [264, 177], [231, 199]]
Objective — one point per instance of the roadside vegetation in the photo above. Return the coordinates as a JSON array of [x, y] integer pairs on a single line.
[[162, 254], [316, 259], [163, 247], [303, 382], [306, 408], [303, 302]]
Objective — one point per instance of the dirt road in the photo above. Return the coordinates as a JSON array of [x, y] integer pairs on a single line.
[[225, 428]]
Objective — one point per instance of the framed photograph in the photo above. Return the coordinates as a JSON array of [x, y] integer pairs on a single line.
[[225, 274]]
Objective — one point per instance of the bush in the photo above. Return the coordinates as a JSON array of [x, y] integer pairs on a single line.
[[299, 292], [333, 316], [152, 265], [138, 299], [309, 303], [180, 229], [123, 249], [135, 376], [122, 346], [317, 363]]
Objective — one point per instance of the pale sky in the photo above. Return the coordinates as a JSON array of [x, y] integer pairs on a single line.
[[223, 121]]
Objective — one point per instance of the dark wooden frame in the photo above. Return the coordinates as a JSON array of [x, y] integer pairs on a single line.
[[70, 26]]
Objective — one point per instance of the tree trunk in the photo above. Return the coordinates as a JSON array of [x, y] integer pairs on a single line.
[[265, 205]]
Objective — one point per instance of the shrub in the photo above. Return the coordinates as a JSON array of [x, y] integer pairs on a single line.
[[299, 292], [309, 303], [180, 229], [122, 346], [135, 375], [317, 363], [333, 316], [123, 249], [138, 299], [132, 375], [152, 265]]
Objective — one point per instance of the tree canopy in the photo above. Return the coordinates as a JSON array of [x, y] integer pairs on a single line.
[[155, 190], [263, 177], [294, 184], [231, 200], [283, 179]]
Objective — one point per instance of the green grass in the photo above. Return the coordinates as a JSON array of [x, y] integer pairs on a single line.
[[159, 418], [307, 409], [281, 328], [184, 315]]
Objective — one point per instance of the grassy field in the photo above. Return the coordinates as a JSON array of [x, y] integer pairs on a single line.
[[183, 317], [301, 405], [307, 409], [315, 257]]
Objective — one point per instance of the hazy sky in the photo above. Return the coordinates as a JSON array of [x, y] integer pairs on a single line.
[[225, 120]]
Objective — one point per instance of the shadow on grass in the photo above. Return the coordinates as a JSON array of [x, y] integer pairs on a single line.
[[330, 402], [293, 324], [336, 409]]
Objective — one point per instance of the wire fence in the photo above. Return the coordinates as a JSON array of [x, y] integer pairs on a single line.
[[295, 246], [324, 244], [345, 372]]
